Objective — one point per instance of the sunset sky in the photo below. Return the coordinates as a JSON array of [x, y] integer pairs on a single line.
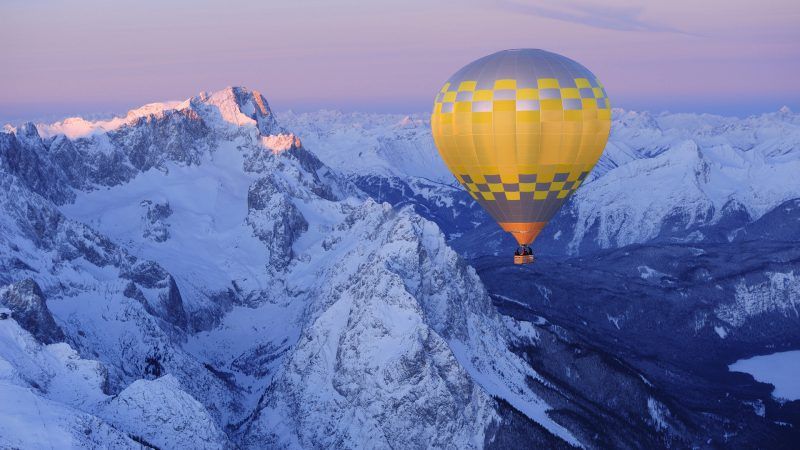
[[730, 57]]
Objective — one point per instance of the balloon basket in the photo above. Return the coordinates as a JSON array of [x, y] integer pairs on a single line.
[[523, 259]]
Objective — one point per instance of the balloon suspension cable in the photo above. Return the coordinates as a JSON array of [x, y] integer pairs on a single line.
[[523, 250], [523, 255]]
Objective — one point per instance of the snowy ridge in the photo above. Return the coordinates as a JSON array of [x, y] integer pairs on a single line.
[[54, 399], [233, 105], [441, 336], [163, 414], [698, 170], [236, 288], [389, 145], [693, 173], [211, 279], [77, 127]]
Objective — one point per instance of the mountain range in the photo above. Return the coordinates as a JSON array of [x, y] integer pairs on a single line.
[[212, 274]]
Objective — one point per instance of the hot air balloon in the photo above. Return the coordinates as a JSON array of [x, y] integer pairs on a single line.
[[520, 130]]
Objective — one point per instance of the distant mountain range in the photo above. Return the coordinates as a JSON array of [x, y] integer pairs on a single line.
[[205, 274], [705, 176]]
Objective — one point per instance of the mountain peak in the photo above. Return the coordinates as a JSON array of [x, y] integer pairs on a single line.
[[236, 105], [785, 110], [241, 106], [28, 131]]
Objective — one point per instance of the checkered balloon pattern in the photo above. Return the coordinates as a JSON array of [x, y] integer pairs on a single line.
[[520, 130]]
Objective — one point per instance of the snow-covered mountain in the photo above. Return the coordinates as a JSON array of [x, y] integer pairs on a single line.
[[202, 274], [704, 213], [385, 144], [217, 285], [666, 178], [392, 158], [676, 177]]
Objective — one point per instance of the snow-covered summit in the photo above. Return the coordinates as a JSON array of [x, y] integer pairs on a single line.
[[75, 127], [240, 106], [225, 277], [237, 106]]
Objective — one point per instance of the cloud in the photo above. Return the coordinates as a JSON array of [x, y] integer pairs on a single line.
[[620, 18]]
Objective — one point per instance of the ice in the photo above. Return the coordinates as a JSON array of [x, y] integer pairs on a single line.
[[779, 369]]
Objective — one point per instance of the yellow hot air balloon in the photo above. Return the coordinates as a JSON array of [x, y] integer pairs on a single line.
[[520, 130]]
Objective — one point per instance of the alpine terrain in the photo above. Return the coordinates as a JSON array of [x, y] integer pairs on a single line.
[[204, 274]]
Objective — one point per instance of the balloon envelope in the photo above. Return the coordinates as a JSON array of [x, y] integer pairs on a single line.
[[520, 130]]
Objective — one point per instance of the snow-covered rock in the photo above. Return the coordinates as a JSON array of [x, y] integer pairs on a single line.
[[371, 144], [164, 415], [396, 322], [30, 421], [54, 398], [705, 176], [221, 280], [229, 281]]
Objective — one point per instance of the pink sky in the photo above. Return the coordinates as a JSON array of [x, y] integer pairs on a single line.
[[83, 56]]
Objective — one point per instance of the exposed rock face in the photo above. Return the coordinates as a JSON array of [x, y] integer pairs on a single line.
[[124, 311], [155, 215], [723, 235], [24, 155], [27, 304], [394, 318], [153, 140], [238, 106], [168, 304], [275, 220]]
